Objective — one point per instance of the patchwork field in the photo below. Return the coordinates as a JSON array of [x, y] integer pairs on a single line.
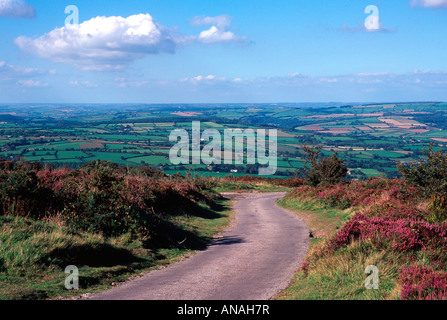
[[370, 138]]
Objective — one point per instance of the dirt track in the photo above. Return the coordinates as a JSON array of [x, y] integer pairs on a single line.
[[253, 260]]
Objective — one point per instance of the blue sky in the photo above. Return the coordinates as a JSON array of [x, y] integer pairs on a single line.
[[170, 51]]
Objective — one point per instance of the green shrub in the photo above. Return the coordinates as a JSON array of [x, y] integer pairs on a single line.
[[430, 175], [438, 209], [21, 194], [102, 197], [323, 170]]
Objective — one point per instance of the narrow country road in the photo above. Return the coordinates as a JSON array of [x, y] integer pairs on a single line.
[[253, 260]]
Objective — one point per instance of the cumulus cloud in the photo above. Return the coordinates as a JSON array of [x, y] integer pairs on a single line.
[[210, 78], [16, 9], [222, 21], [437, 4], [112, 43], [8, 71], [294, 74], [426, 71], [360, 80], [32, 83], [103, 42], [218, 32], [214, 34], [87, 84]]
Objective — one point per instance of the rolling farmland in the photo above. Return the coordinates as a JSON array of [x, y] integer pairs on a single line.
[[370, 138]]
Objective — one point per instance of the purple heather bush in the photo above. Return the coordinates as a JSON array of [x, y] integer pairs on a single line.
[[395, 216], [422, 283]]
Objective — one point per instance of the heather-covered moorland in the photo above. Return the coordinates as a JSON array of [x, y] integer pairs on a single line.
[[397, 225], [108, 220], [114, 222]]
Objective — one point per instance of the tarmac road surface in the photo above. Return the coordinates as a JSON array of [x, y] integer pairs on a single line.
[[253, 260]]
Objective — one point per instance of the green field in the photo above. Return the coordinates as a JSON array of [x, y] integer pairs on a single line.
[[140, 136]]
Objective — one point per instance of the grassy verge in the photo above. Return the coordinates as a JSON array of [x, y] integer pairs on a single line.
[[323, 221], [252, 184], [251, 187], [35, 253], [382, 223], [340, 275]]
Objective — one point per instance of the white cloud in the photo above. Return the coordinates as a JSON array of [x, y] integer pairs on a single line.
[[32, 83], [214, 34], [119, 82], [430, 3], [16, 9], [222, 21], [218, 32], [358, 81], [8, 71], [379, 79], [426, 71], [112, 43], [294, 74], [369, 74], [328, 80], [87, 84], [210, 78], [124, 83], [103, 43]]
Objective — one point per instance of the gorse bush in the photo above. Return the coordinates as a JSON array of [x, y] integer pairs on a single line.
[[21, 194], [100, 198], [110, 221], [320, 170], [438, 208], [430, 175]]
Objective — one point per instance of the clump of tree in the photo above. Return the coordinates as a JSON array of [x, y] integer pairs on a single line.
[[321, 170], [430, 176]]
